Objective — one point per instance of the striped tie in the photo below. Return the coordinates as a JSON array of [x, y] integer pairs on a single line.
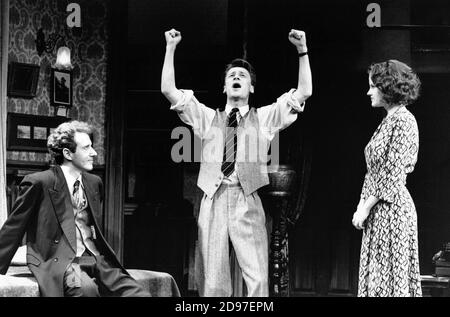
[[229, 151]]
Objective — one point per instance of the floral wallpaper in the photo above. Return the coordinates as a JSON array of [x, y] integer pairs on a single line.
[[89, 55]]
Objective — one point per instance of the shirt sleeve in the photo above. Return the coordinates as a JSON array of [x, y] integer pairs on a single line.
[[279, 115], [194, 113], [399, 158]]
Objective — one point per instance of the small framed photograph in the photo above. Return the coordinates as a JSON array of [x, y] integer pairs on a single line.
[[40, 133], [61, 88], [23, 132], [22, 80], [27, 132]]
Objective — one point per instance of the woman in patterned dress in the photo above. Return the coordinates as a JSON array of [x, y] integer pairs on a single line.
[[389, 260]]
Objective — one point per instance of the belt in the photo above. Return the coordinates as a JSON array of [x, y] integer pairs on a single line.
[[229, 183]]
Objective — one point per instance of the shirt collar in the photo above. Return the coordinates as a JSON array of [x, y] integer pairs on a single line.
[[242, 110], [70, 177]]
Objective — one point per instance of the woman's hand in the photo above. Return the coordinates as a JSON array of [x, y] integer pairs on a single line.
[[360, 216]]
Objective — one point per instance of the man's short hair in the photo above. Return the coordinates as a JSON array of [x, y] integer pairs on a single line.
[[239, 62], [63, 138]]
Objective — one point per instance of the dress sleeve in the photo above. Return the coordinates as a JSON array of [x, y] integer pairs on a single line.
[[194, 113], [279, 115], [399, 159], [365, 187]]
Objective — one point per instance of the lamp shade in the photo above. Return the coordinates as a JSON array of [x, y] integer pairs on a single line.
[[63, 58]]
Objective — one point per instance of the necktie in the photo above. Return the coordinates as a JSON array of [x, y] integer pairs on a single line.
[[78, 196], [85, 233], [76, 186], [230, 148]]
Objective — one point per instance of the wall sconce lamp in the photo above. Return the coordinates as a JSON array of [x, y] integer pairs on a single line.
[[63, 58], [63, 54]]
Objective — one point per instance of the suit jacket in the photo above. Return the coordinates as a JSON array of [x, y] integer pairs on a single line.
[[43, 211]]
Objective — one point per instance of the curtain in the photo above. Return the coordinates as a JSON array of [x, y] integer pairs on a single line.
[[4, 38]]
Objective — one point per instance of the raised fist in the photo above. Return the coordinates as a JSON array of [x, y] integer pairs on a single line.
[[173, 37], [298, 38]]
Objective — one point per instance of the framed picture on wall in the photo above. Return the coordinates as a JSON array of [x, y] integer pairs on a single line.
[[22, 80], [27, 132], [61, 88]]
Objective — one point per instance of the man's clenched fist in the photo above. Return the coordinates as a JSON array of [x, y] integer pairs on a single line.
[[298, 38], [173, 37]]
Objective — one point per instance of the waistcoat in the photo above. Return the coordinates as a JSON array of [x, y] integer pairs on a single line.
[[251, 155]]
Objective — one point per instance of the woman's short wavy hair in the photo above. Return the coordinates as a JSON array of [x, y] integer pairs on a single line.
[[63, 138], [398, 83]]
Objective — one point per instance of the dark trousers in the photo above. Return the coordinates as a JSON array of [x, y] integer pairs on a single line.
[[93, 276]]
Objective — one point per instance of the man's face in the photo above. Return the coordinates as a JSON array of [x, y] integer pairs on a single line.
[[83, 158], [238, 83]]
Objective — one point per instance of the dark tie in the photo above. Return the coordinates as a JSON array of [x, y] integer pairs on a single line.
[[229, 151]]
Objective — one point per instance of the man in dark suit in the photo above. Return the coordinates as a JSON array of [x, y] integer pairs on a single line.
[[60, 211]]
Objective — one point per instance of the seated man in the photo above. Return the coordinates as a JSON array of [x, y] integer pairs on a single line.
[[60, 211]]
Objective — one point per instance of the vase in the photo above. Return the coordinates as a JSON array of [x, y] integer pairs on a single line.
[[281, 178]]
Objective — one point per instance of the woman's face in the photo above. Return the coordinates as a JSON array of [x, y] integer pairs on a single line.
[[375, 94]]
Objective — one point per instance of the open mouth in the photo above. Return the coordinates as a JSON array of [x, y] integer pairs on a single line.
[[236, 85]]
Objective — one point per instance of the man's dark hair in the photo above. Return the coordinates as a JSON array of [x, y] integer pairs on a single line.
[[239, 62]]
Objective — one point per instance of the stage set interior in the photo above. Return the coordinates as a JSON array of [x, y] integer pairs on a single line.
[[151, 202]]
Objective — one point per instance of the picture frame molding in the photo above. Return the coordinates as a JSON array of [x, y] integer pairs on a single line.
[[30, 142], [14, 69], [54, 101]]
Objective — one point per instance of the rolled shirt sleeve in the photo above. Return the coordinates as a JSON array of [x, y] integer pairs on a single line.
[[194, 113], [279, 115]]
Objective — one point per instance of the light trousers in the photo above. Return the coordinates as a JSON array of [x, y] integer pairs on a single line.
[[232, 216]]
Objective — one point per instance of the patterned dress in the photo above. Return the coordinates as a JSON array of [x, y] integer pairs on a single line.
[[389, 261]]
